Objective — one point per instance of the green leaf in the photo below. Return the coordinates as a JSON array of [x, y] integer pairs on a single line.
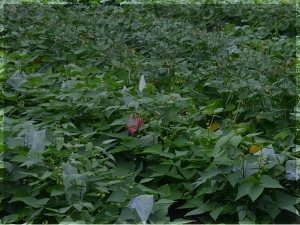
[[78, 206], [134, 142], [164, 201], [145, 180], [253, 134], [148, 190], [251, 215], [269, 182], [14, 142], [64, 210], [283, 134], [253, 180], [117, 196], [46, 175], [109, 141], [28, 163], [242, 215], [197, 211], [247, 221], [235, 140], [209, 205], [160, 168], [88, 205], [166, 154], [10, 218], [233, 178], [255, 191], [229, 107], [180, 153], [29, 174], [181, 221], [117, 135], [55, 192], [216, 212], [42, 201], [89, 146], [223, 140], [153, 149], [218, 110], [187, 173], [285, 201], [29, 200], [121, 121], [244, 189], [165, 189], [180, 141]]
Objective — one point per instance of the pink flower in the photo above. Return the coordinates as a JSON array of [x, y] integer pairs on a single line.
[[134, 124]]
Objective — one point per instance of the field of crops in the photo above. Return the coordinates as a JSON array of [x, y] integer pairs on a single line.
[[153, 113]]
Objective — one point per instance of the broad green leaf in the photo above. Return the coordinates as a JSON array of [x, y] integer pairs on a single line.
[[251, 215], [117, 196], [269, 182], [88, 205], [187, 173], [209, 205], [10, 218], [46, 175], [165, 189], [117, 135], [216, 212], [283, 200], [218, 110], [29, 200], [55, 192], [89, 146], [233, 178], [235, 140], [64, 210], [166, 154], [197, 211], [247, 221], [229, 107], [19, 158], [244, 189], [133, 143], [180, 153], [180, 141], [14, 142], [160, 168], [255, 191], [78, 206], [242, 214], [283, 134], [121, 121], [153, 149], [223, 140], [148, 190]]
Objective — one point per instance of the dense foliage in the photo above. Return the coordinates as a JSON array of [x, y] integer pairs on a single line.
[[220, 87]]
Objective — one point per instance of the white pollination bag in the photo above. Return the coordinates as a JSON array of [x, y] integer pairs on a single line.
[[143, 205]]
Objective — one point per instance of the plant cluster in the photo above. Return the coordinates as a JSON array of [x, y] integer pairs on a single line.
[[215, 127]]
